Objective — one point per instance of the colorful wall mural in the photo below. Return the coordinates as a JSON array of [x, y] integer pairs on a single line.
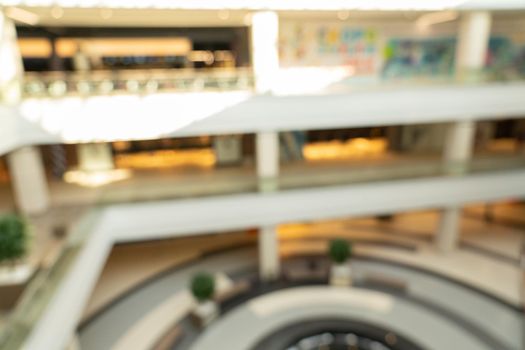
[[505, 57], [372, 52], [418, 57], [330, 45]]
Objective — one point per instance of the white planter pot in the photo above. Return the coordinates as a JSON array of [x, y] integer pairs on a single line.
[[341, 275], [206, 312], [15, 273]]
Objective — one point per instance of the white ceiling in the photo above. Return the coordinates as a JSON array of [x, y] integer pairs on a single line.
[[430, 5], [158, 17], [119, 17]]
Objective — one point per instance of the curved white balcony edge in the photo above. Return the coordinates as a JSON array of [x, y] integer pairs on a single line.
[[77, 120], [163, 219]]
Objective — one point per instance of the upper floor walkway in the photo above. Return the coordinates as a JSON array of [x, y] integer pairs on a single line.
[[162, 115]]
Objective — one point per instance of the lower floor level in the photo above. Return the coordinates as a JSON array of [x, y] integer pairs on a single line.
[[482, 276]]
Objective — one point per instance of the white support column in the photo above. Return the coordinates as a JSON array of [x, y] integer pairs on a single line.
[[459, 142], [11, 68], [227, 149], [265, 52], [267, 155], [25, 164], [95, 157], [471, 51], [448, 231], [269, 264], [29, 180], [473, 41]]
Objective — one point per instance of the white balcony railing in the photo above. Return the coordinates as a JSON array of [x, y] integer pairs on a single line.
[[104, 82]]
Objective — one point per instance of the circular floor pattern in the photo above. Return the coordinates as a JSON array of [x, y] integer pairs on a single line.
[[334, 334], [463, 308], [255, 320]]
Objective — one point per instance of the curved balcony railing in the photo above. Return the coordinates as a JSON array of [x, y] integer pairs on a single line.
[[42, 286], [59, 84], [287, 81]]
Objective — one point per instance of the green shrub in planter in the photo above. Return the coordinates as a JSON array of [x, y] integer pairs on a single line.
[[14, 237], [203, 286], [340, 250]]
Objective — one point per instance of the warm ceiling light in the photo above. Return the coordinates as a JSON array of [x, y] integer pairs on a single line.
[[34, 47], [96, 178], [223, 14], [106, 13], [57, 12], [343, 15], [20, 15], [67, 47], [247, 19]]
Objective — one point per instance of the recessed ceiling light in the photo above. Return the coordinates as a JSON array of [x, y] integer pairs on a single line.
[[343, 15], [247, 19], [223, 14], [106, 13], [57, 12]]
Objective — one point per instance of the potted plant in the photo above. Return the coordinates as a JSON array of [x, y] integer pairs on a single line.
[[203, 289], [340, 272], [14, 237]]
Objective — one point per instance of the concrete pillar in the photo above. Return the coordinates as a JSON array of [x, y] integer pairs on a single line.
[[485, 131], [471, 52], [265, 52], [473, 41], [459, 142], [228, 149], [11, 67], [267, 155], [269, 264], [422, 138], [448, 231], [29, 180], [95, 157]]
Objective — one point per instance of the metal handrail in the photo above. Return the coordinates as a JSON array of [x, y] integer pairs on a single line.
[[42, 286], [57, 84]]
